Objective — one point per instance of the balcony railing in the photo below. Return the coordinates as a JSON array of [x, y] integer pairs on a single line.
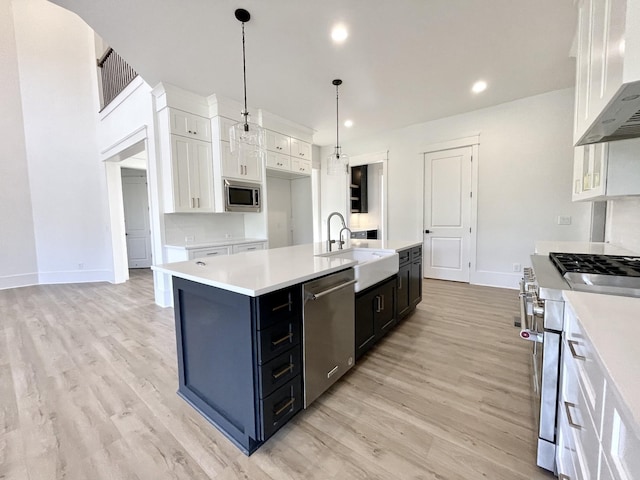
[[115, 74]]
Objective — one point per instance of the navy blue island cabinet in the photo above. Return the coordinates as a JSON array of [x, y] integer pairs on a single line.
[[239, 358]]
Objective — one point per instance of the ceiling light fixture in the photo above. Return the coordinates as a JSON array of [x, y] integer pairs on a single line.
[[479, 86], [247, 139], [338, 162], [339, 33], [348, 123]]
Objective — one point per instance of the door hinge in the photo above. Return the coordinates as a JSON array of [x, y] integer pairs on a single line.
[[469, 264], [469, 229], [470, 194]]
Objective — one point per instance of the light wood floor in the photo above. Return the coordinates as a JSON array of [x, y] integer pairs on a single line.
[[88, 380]]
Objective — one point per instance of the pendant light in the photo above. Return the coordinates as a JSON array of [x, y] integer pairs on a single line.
[[247, 139], [338, 161]]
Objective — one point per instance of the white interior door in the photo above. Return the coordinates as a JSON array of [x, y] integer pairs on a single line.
[[447, 214], [136, 220]]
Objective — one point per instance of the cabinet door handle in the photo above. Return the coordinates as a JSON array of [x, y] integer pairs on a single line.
[[399, 282], [378, 304], [212, 253], [284, 407], [198, 202], [283, 339], [382, 301], [572, 346], [193, 203], [562, 476], [286, 369], [567, 408], [284, 305]]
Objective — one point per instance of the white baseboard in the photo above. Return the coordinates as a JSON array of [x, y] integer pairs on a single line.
[[496, 279], [76, 276], [15, 281]]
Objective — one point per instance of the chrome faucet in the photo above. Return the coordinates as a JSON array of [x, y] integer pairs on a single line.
[[329, 241], [340, 241]]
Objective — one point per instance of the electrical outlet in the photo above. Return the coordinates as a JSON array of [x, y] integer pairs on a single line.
[[517, 267], [81, 266], [190, 238], [564, 220]]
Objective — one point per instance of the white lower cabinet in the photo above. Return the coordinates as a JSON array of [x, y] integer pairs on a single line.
[[181, 254], [596, 436], [209, 252]]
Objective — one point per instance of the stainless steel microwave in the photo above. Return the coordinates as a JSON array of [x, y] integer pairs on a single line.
[[241, 196]]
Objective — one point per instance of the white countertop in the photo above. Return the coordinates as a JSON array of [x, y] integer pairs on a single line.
[[218, 243], [599, 248], [612, 324], [263, 271]]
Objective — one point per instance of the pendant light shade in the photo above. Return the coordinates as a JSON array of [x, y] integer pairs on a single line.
[[247, 139], [338, 162]]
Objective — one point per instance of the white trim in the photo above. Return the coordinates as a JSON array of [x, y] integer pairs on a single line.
[[450, 144], [497, 279], [21, 280], [473, 142], [75, 276], [136, 83], [124, 143]]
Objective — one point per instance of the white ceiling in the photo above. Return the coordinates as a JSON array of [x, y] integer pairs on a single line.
[[405, 61]]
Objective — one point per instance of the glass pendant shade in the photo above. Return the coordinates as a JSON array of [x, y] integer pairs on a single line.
[[337, 163], [248, 141]]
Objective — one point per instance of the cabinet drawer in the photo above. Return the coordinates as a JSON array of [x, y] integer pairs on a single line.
[[278, 339], [248, 247], [302, 167], [285, 304], [404, 256], [208, 252], [620, 438], [581, 354], [565, 451], [279, 371], [280, 406], [416, 253]]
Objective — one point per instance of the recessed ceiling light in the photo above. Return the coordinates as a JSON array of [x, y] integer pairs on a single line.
[[479, 86], [339, 33], [348, 123]]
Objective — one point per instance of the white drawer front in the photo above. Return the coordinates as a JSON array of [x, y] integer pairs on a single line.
[[620, 440], [248, 247], [208, 252]]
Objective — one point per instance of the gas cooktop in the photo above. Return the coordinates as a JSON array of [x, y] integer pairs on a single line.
[[612, 274]]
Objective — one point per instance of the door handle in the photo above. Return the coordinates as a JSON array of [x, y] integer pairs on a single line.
[[427, 231]]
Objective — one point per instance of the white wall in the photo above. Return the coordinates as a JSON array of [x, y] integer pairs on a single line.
[[18, 261], [525, 177], [623, 223], [56, 65]]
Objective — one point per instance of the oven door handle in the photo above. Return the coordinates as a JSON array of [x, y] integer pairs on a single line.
[[526, 332]]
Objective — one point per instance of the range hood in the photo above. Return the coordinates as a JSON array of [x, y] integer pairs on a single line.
[[620, 119]]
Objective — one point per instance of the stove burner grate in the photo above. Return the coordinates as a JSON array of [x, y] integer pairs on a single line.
[[615, 265]]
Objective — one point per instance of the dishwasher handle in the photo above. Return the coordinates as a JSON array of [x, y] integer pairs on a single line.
[[315, 296]]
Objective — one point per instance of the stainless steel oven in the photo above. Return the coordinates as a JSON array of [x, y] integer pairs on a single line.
[[541, 321], [242, 196]]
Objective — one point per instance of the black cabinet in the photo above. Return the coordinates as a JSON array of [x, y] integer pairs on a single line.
[[409, 280], [359, 200], [375, 314], [239, 358]]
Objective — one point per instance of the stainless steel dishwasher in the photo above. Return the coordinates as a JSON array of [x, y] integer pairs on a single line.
[[328, 331]]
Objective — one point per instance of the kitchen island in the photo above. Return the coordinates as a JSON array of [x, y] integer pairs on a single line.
[[239, 330]]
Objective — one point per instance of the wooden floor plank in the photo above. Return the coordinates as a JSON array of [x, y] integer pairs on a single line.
[[88, 381]]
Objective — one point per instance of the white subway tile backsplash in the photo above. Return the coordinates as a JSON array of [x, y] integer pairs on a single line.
[[623, 223], [201, 228]]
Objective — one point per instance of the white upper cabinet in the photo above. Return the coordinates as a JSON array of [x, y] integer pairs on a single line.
[[192, 176], [248, 169], [300, 149], [608, 71], [190, 125], [606, 170], [278, 143]]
